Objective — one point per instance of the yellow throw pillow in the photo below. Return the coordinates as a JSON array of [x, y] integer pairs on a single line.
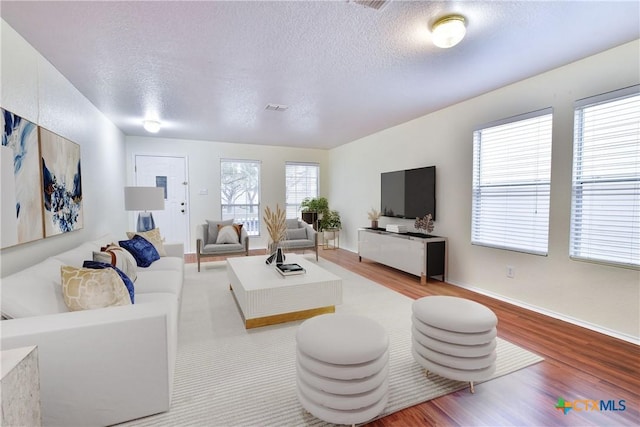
[[87, 288], [153, 236]]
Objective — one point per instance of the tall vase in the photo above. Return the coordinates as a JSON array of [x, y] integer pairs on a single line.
[[374, 224]]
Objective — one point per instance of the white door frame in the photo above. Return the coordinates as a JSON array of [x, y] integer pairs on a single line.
[[132, 221]]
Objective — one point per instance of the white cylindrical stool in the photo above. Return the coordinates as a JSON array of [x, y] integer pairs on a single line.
[[342, 368], [454, 338]]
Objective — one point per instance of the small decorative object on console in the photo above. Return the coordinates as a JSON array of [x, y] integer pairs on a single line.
[[373, 215], [290, 269], [425, 224], [396, 228]]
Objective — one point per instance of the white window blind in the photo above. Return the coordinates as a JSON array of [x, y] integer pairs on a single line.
[[511, 183], [605, 206], [302, 181], [240, 193]]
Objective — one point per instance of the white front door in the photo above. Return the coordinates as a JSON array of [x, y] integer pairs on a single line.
[[169, 173]]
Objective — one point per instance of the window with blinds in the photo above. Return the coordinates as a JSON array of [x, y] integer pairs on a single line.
[[605, 205], [240, 193], [511, 183], [302, 181]]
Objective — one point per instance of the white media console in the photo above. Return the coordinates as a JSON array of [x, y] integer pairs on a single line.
[[420, 256]]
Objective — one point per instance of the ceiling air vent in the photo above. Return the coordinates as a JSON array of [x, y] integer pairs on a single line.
[[373, 4], [276, 107]]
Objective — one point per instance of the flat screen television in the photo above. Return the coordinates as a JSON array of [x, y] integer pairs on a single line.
[[409, 193]]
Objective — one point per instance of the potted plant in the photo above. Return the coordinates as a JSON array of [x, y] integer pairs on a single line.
[[313, 208], [330, 221], [330, 225]]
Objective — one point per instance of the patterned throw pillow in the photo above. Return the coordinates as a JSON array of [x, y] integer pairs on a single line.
[[87, 289], [120, 258], [152, 236], [96, 265], [141, 249], [229, 233], [213, 227]]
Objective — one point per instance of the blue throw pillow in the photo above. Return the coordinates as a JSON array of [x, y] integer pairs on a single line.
[[141, 249], [96, 265]]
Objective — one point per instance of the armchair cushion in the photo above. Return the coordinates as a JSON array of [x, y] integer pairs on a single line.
[[212, 235], [296, 234], [292, 223], [221, 249]]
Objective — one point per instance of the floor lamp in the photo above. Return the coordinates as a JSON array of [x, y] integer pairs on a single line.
[[144, 199]]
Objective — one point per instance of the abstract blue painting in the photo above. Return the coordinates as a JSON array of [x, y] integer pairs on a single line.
[[61, 184], [21, 209]]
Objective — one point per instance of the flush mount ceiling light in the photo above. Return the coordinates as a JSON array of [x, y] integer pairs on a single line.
[[152, 126], [448, 31]]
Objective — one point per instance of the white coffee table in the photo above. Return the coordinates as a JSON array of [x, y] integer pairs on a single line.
[[265, 297]]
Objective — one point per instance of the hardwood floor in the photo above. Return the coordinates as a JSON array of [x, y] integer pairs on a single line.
[[579, 365]]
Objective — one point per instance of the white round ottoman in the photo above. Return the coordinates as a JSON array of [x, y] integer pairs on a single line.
[[342, 368], [454, 338]]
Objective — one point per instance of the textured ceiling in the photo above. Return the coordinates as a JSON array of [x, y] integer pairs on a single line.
[[207, 69]]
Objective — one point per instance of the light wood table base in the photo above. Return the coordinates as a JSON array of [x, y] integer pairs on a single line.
[[287, 317]]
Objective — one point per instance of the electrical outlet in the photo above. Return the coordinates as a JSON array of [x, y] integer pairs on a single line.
[[511, 271]]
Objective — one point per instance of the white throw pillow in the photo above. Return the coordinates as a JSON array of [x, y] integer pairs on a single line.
[[228, 234], [119, 258], [35, 291], [213, 227]]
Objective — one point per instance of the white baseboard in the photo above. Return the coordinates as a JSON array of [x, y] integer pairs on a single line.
[[555, 315]]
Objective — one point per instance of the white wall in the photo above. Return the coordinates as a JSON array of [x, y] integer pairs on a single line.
[[203, 159], [606, 297], [34, 89]]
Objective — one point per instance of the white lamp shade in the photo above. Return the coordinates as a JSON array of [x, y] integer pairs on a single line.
[[143, 198], [449, 31]]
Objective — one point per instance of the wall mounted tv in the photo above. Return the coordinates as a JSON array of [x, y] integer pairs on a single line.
[[408, 193]]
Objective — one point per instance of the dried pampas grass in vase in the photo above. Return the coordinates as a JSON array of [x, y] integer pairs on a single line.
[[276, 226]]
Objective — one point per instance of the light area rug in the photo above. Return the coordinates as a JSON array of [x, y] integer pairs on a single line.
[[229, 376]]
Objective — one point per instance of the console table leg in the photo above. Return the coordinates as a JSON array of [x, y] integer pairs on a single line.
[[423, 279]]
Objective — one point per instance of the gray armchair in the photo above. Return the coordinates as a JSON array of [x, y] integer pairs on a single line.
[[207, 244], [300, 235]]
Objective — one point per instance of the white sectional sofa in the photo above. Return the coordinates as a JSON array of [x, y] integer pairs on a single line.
[[102, 366]]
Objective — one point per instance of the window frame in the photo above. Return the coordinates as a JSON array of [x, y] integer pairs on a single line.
[[251, 225], [504, 189], [286, 175], [581, 180]]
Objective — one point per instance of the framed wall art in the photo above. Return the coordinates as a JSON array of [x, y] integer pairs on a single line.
[[61, 184], [21, 209]]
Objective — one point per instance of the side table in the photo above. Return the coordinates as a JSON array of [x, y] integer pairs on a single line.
[[20, 387]]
